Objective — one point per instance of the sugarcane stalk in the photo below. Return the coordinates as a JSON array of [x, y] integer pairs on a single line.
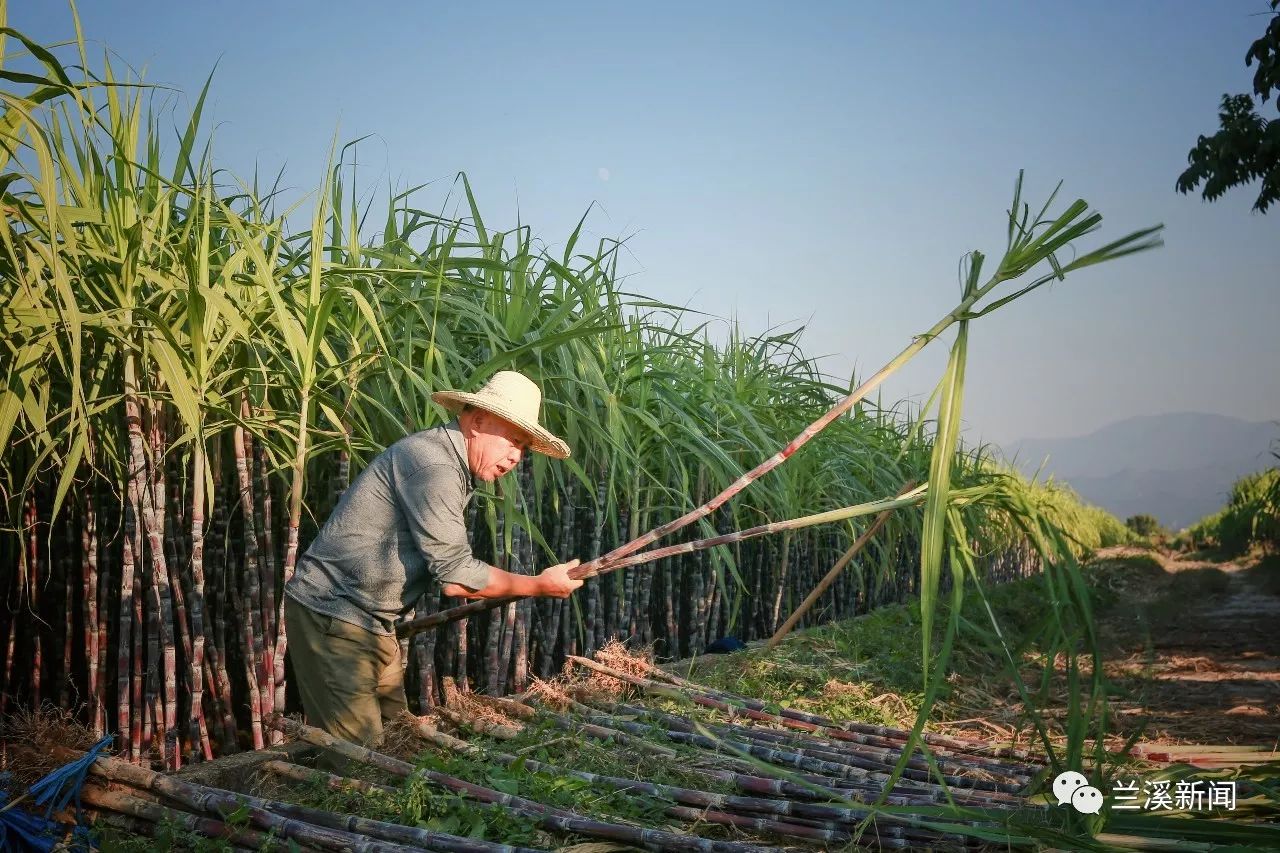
[[89, 550], [699, 798], [248, 602], [424, 650], [216, 646], [291, 541], [172, 520], [182, 615], [244, 624], [460, 629], [105, 574], [267, 606], [493, 635], [130, 669], [136, 827], [912, 497], [196, 660], [524, 548], [64, 563], [153, 502], [264, 605], [917, 770], [781, 586], [31, 564], [551, 627], [506, 646]]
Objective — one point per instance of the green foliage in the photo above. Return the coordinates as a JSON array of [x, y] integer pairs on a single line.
[[1247, 145], [1250, 518], [1086, 527], [1144, 525]]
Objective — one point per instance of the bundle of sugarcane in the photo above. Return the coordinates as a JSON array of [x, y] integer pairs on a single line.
[[860, 778], [826, 753], [958, 771], [789, 819], [848, 733], [122, 788], [546, 816]]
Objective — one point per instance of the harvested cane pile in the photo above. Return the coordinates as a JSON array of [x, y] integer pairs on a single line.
[[749, 778]]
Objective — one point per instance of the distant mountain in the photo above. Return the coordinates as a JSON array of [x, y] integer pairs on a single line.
[[1177, 467]]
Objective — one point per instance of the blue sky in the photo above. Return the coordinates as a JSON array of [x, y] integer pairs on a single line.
[[817, 163]]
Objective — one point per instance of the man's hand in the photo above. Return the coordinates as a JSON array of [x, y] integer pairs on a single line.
[[555, 582]]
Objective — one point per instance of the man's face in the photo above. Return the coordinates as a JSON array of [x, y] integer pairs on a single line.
[[494, 446]]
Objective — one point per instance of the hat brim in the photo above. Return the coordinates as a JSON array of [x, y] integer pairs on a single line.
[[540, 440]]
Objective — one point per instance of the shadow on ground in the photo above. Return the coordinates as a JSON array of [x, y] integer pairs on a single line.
[[1193, 646]]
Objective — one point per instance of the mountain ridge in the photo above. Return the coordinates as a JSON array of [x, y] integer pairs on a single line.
[[1178, 466]]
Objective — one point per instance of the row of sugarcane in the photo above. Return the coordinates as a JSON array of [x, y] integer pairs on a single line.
[[169, 634], [784, 777]]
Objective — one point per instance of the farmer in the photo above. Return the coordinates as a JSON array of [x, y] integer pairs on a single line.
[[398, 525]]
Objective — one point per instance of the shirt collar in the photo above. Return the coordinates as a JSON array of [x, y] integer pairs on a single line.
[[459, 443]]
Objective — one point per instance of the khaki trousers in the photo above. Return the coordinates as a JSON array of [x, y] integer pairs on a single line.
[[350, 679]]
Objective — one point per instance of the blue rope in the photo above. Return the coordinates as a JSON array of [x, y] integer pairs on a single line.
[[20, 831], [23, 831], [62, 785]]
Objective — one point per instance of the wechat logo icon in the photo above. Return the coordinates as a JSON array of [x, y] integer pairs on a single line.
[[1073, 788]]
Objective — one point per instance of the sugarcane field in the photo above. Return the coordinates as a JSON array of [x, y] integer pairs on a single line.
[[708, 428]]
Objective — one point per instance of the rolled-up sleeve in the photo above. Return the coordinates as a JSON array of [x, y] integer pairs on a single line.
[[433, 499]]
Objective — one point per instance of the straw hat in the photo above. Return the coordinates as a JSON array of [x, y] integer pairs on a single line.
[[515, 398]]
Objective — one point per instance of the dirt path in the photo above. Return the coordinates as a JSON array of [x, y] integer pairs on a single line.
[[1197, 649]]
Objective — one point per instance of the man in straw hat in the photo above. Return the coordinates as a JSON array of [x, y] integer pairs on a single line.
[[398, 525]]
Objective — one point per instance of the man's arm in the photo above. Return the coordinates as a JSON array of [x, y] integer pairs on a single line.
[[552, 583]]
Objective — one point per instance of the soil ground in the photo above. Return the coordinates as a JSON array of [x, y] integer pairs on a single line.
[[1195, 643], [1191, 647]]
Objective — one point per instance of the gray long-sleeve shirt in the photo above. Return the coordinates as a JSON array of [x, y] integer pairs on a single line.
[[400, 522]]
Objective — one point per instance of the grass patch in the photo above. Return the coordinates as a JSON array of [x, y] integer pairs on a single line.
[[869, 668]]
